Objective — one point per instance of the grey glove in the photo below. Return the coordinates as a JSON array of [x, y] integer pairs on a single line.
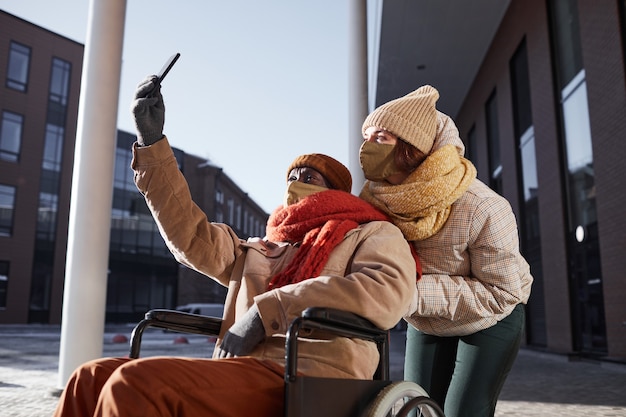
[[243, 336], [149, 111]]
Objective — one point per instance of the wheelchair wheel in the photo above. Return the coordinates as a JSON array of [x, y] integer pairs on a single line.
[[403, 399]]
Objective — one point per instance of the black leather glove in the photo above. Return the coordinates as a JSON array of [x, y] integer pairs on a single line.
[[148, 109], [243, 336]]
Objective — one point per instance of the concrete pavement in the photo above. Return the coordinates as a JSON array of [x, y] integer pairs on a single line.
[[539, 385]]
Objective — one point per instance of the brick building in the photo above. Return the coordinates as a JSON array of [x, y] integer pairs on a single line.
[[41, 73]]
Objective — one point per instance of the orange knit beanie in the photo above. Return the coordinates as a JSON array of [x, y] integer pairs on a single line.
[[334, 171]]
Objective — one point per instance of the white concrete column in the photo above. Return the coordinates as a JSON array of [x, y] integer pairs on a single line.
[[357, 87], [84, 297]]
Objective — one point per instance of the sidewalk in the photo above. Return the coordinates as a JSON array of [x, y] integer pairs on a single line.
[[539, 385]]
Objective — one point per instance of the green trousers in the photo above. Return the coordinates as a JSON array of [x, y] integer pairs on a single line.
[[465, 374]]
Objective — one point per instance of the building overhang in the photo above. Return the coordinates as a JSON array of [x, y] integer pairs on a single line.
[[436, 42]]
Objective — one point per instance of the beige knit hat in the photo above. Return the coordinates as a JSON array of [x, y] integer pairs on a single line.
[[334, 171], [413, 118]]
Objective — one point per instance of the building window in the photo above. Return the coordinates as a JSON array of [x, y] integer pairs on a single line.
[[530, 236], [238, 216], [50, 182], [60, 81], [621, 6], [53, 148], [4, 283], [219, 216], [580, 170], [11, 136], [17, 72], [230, 206], [251, 226], [566, 40], [530, 183], [59, 91], [493, 141], [46, 219], [585, 268], [7, 206], [522, 117], [123, 175]]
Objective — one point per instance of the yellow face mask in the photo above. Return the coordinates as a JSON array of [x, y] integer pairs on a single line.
[[297, 190], [377, 161]]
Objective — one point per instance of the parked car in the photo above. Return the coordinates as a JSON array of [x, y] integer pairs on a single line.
[[205, 309]]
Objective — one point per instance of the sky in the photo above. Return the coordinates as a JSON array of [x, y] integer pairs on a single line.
[[257, 84]]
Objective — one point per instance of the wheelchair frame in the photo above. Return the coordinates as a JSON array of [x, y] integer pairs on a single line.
[[313, 396]]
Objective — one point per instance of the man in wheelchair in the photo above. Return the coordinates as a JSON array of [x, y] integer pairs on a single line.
[[324, 247]]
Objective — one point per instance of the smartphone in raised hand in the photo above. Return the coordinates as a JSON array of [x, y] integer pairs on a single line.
[[167, 66], [164, 70]]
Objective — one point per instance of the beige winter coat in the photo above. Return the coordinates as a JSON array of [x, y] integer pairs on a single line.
[[371, 273], [473, 272]]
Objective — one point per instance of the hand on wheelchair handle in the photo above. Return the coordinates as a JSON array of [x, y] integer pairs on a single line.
[[243, 336]]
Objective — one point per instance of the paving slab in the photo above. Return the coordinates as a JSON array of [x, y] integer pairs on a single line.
[[540, 384]]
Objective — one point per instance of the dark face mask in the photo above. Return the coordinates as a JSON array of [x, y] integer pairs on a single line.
[[377, 161]]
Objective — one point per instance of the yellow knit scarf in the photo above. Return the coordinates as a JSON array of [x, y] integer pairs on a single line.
[[421, 205]]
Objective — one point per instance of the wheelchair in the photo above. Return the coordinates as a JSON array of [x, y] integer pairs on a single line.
[[314, 396]]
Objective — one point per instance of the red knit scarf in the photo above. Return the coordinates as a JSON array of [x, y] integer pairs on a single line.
[[319, 222]]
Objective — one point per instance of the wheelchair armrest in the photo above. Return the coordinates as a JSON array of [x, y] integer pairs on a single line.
[[341, 323], [176, 321], [345, 319]]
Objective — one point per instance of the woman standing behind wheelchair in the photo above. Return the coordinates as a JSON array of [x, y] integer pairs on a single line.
[[466, 331], [323, 248]]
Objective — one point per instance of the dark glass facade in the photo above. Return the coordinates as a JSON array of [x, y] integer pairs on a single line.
[[49, 189], [530, 230], [585, 271], [142, 272], [493, 143]]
